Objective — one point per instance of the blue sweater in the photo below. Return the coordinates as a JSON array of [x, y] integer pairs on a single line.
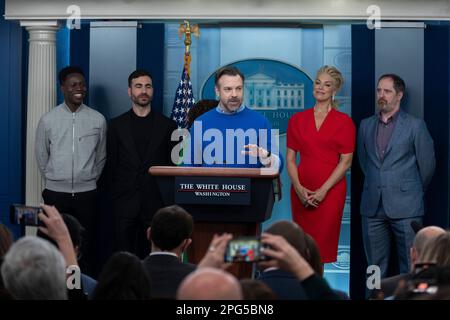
[[224, 137]]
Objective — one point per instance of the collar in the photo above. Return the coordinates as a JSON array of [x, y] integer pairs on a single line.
[[391, 118], [220, 110], [271, 269], [163, 253], [66, 107]]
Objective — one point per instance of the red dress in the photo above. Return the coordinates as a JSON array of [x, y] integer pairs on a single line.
[[319, 155]]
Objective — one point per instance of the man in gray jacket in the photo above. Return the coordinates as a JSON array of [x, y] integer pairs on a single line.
[[71, 153], [396, 154]]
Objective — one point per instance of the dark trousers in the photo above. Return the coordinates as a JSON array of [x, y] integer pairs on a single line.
[[378, 234], [131, 235], [83, 206]]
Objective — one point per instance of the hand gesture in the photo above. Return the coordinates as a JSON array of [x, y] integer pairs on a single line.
[[55, 227], [214, 257], [254, 151], [284, 256]]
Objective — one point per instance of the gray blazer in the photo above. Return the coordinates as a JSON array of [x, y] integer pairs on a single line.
[[408, 165]]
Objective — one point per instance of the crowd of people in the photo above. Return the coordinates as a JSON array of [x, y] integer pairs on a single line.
[[35, 267]]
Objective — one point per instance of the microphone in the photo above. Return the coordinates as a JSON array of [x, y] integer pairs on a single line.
[[416, 226]]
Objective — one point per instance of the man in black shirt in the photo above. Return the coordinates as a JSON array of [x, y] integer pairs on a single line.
[[138, 139]]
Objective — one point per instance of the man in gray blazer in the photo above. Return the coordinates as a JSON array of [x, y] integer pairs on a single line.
[[396, 154]]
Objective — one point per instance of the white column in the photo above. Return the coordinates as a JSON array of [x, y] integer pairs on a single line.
[[41, 95]]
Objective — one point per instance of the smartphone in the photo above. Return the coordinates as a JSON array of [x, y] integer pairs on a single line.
[[244, 249], [25, 215]]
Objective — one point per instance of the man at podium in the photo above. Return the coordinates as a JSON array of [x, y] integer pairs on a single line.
[[234, 136]]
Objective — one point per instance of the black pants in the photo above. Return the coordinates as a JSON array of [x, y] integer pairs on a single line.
[[131, 235], [83, 206]]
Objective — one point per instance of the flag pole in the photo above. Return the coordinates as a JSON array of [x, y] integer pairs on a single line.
[[187, 29]]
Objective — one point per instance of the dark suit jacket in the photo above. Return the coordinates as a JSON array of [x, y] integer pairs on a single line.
[[284, 285], [389, 285], [166, 273], [401, 178], [134, 191]]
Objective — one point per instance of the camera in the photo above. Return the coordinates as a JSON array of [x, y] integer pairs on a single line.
[[25, 215], [245, 249]]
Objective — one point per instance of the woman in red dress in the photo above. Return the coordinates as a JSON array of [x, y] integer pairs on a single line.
[[325, 139]]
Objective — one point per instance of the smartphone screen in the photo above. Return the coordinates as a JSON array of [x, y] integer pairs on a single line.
[[25, 215], [244, 250]]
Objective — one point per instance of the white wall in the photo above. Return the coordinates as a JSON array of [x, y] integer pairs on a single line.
[[230, 9]]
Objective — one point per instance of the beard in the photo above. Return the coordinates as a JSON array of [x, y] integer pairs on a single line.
[[138, 100], [384, 106], [381, 103], [233, 104]]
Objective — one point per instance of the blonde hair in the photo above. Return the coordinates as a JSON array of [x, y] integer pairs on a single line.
[[334, 73]]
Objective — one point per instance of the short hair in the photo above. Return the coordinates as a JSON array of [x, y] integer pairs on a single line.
[[198, 109], [76, 231], [399, 84], [137, 74], [209, 284], [170, 226], [293, 234], [228, 71], [123, 277], [33, 269], [438, 250], [424, 235], [67, 71], [6, 239], [256, 290]]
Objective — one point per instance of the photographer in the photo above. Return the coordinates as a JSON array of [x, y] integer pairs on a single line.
[[76, 232], [417, 254], [56, 229], [214, 257], [34, 269], [287, 258]]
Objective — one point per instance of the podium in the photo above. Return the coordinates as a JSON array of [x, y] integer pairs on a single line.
[[233, 200]]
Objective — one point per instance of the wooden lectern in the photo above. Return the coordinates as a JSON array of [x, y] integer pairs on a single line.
[[233, 200]]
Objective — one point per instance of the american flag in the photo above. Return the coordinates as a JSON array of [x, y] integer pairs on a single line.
[[184, 100]]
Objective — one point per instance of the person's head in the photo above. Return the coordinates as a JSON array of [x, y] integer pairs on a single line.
[[256, 290], [313, 256], [73, 86], [390, 91], [293, 234], [209, 284], [198, 109], [123, 278], [423, 236], [76, 232], [33, 269], [171, 229], [229, 87], [328, 82], [437, 250], [6, 239], [140, 88]]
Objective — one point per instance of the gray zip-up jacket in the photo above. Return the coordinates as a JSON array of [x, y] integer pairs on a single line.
[[71, 148]]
